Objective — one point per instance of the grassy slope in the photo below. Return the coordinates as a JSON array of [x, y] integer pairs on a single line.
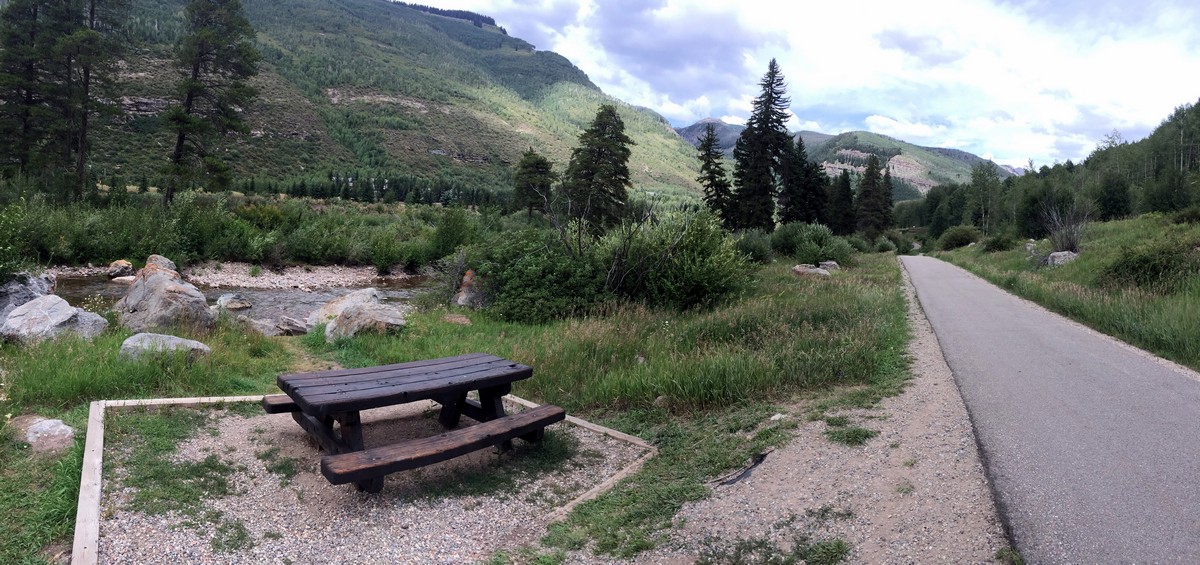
[[941, 165], [409, 84], [1165, 323]]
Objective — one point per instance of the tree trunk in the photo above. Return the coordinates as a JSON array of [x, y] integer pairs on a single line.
[[180, 139]]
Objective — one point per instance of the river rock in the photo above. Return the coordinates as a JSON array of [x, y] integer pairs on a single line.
[[147, 343], [468, 291], [360, 318], [48, 316], [159, 299], [265, 327], [124, 280], [163, 262], [830, 266], [233, 301], [43, 434], [810, 270], [333, 308], [290, 326], [22, 288], [120, 268], [1061, 258]]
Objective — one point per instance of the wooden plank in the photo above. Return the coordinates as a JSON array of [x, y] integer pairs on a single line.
[[387, 396], [379, 461], [346, 384], [279, 404], [320, 432], [85, 550], [417, 365]]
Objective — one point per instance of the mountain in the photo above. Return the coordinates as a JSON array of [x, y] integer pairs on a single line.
[[374, 88], [920, 168]]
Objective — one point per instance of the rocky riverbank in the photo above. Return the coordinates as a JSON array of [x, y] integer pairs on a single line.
[[245, 275]]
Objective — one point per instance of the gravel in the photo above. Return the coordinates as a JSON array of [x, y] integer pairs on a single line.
[[310, 521]]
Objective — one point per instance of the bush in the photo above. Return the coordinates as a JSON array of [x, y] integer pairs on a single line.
[[959, 236], [1158, 265], [755, 245], [529, 278], [999, 243], [902, 243], [859, 243], [11, 240], [884, 245], [1188, 216], [810, 243]]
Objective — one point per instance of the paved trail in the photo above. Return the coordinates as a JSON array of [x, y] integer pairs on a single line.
[[1092, 447]]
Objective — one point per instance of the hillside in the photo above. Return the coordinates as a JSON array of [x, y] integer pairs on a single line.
[[919, 168], [367, 87]]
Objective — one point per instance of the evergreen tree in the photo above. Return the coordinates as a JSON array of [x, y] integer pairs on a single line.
[[1113, 199], [718, 193], [759, 153], [24, 119], [533, 180], [841, 215], [217, 56], [597, 178], [889, 201], [873, 213], [802, 196]]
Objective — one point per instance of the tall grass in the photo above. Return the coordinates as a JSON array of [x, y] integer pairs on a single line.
[[1161, 318]]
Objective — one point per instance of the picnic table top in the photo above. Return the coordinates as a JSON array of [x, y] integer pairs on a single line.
[[346, 390]]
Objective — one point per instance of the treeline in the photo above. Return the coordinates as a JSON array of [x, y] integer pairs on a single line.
[[477, 19], [1158, 174]]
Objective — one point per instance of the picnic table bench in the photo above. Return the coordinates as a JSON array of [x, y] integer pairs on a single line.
[[318, 401]]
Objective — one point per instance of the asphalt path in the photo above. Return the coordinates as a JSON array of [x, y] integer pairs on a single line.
[[1092, 447]]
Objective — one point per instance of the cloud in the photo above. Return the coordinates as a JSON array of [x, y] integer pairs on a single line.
[[914, 132]]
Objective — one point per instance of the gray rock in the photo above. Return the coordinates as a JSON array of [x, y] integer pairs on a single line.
[[1031, 247], [23, 288], [266, 327], [360, 318], [233, 301], [43, 435], [830, 266], [162, 262], [468, 294], [48, 316], [160, 299], [333, 308], [147, 343], [1061, 258], [810, 270], [291, 326], [120, 268], [124, 280]]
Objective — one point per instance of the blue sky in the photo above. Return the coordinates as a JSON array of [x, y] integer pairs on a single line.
[[1013, 80]]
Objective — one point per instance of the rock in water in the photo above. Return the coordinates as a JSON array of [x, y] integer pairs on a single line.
[[159, 299], [120, 268], [48, 316], [334, 307], [359, 318], [1061, 258], [21, 289], [233, 301], [147, 343], [43, 434], [163, 262]]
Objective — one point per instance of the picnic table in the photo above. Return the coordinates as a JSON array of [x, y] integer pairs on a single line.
[[327, 404]]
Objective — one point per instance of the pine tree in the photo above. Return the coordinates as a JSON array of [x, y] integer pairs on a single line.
[[534, 177], [718, 193], [217, 56], [759, 153], [597, 178], [841, 215], [802, 196], [873, 211], [889, 199]]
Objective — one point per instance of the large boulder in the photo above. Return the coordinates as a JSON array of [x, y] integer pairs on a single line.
[[147, 343], [1061, 258], [161, 262], [48, 316], [333, 308], [43, 434], [360, 318], [290, 326], [22, 288], [120, 268], [468, 291], [159, 298]]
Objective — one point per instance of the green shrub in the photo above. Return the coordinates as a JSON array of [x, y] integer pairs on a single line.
[[999, 243], [884, 245], [755, 245], [902, 243], [453, 231], [1188, 216], [530, 278], [959, 236], [11, 240], [810, 243], [859, 243], [1159, 265]]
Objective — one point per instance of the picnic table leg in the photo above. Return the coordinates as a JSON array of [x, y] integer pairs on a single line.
[[350, 430], [491, 403], [452, 408]]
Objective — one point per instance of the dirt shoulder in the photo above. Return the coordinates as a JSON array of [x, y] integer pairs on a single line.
[[916, 493]]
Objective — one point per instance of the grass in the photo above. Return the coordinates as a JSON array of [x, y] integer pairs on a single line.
[[285, 467], [852, 436], [1160, 320], [760, 551], [836, 342]]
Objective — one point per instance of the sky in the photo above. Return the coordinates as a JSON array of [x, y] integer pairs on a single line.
[[1011, 80]]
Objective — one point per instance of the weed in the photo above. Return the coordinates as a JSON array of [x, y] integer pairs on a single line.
[[837, 421], [850, 436], [285, 467], [905, 487], [255, 270], [273, 535], [231, 537], [910, 462], [759, 551], [827, 512], [1009, 556]]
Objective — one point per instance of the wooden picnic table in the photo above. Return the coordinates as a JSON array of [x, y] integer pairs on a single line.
[[327, 404]]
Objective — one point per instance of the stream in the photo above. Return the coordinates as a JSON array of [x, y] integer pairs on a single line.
[[269, 303]]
